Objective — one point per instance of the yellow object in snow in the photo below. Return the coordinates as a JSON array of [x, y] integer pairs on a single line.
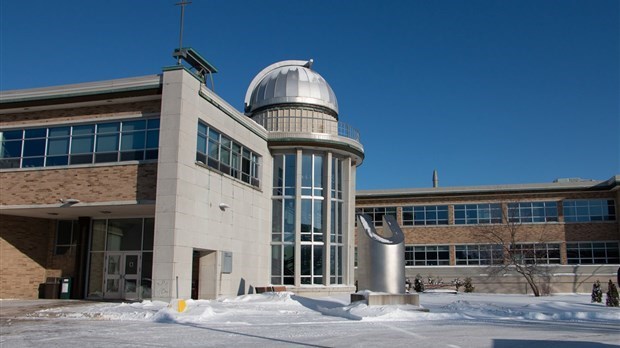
[[178, 305]]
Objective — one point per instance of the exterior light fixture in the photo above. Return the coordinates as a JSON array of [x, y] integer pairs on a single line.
[[224, 206], [69, 201]]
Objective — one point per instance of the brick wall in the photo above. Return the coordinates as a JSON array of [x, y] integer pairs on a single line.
[[122, 182], [454, 234], [24, 255]]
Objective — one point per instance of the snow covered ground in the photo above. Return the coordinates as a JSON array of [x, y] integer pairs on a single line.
[[287, 320]]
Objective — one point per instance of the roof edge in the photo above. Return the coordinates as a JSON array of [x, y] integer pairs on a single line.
[[612, 183], [80, 89]]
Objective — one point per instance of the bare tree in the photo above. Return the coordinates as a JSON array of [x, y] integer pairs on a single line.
[[525, 248]]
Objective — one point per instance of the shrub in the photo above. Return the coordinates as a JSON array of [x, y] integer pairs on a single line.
[[468, 285], [418, 285], [612, 295], [457, 283], [597, 293]]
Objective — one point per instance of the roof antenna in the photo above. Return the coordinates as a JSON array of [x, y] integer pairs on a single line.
[[435, 178], [182, 4], [201, 66]]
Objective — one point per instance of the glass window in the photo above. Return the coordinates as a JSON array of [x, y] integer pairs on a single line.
[[587, 253], [10, 148], [124, 234], [473, 214], [532, 212], [427, 255], [290, 174], [429, 215], [537, 253], [227, 156], [65, 231], [479, 254], [377, 213], [58, 146], [589, 210]]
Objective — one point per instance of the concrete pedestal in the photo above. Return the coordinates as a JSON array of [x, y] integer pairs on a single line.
[[380, 298]]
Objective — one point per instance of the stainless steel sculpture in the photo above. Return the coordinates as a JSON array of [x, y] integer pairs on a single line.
[[380, 258]]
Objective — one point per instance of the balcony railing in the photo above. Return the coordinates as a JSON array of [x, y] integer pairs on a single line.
[[305, 124]]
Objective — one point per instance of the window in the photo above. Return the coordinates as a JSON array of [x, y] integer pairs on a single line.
[[473, 214], [336, 230], [80, 144], [588, 253], [376, 213], [283, 220], [532, 212], [479, 254], [312, 229], [65, 232], [589, 210], [428, 215], [427, 255], [537, 253], [223, 154]]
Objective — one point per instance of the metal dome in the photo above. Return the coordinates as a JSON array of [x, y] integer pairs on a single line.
[[289, 82]]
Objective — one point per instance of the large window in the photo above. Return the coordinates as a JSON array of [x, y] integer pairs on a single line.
[[312, 219], [377, 213], [428, 215], [427, 255], [308, 218], [537, 253], [473, 214], [479, 254], [283, 220], [220, 152], [336, 228], [589, 210], [588, 253], [132, 140], [532, 212]]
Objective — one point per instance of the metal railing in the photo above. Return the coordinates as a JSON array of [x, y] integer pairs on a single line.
[[305, 124]]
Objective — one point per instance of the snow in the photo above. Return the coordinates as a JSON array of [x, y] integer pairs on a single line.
[[285, 319]]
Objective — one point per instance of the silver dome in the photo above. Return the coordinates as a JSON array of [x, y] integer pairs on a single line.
[[289, 82]]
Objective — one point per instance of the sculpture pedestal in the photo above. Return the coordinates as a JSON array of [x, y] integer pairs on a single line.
[[382, 298]]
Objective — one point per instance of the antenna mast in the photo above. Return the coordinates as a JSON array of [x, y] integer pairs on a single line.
[[182, 4]]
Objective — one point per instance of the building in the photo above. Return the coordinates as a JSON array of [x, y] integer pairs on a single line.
[[569, 228], [155, 187]]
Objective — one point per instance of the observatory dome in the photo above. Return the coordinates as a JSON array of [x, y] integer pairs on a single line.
[[289, 82]]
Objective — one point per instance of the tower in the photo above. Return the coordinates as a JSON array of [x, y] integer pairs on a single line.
[[315, 157]]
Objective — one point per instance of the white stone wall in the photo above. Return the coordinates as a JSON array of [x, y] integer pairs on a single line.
[[188, 216]]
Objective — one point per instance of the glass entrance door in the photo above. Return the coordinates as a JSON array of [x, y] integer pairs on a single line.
[[122, 275]]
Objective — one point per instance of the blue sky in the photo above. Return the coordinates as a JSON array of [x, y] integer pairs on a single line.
[[486, 92]]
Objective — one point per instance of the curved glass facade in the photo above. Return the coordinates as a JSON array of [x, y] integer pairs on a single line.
[[307, 219]]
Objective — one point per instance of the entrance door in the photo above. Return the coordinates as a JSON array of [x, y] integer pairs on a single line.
[[122, 275]]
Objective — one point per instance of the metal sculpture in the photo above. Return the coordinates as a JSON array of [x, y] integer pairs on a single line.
[[381, 258]]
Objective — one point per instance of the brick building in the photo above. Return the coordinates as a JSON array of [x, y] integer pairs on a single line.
[[155, 187], [569, 228]]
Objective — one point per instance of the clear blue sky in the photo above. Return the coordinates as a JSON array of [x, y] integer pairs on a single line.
[[486, 92]]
